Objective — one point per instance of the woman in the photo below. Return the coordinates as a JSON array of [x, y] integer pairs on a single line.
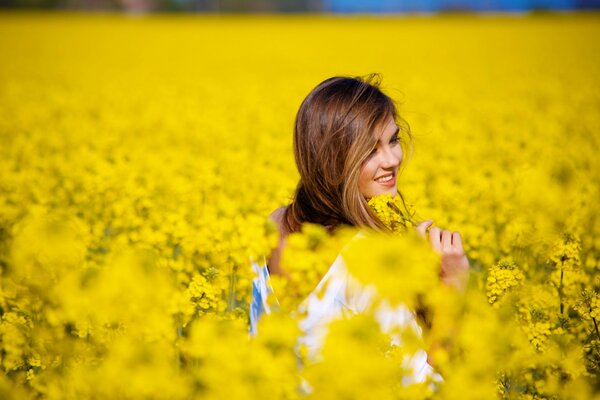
[[347, 148]]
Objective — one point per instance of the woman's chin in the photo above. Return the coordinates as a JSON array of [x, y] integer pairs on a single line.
[[378, 190], [393, 191]]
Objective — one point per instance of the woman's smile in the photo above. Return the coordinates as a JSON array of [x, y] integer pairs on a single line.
[[387, 180]]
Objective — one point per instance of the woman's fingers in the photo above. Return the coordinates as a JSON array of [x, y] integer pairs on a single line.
[[422, 227], [457, 240], [454, 269], [446, 240], [442, 241], [435, 238]]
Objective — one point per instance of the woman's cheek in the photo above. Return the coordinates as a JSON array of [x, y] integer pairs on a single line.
[[366, 178]]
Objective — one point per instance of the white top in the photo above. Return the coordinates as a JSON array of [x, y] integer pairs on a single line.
[[339, 294]]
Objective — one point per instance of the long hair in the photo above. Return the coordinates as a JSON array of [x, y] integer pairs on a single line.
[[333, 136]]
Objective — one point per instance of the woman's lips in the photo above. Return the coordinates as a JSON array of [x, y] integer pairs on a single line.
[[387, 180]]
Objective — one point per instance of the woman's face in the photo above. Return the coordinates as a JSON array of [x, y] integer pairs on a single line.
[[378, 172]]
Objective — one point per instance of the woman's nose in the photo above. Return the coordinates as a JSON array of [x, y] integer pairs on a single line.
[[391, 158]]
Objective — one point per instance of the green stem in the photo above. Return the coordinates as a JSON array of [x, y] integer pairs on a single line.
[[596, 326], [560, 293]]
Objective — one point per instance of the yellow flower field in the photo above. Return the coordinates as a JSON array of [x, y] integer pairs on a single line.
[[142, 154]]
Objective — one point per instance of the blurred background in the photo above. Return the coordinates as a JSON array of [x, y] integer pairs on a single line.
[[329, 6]]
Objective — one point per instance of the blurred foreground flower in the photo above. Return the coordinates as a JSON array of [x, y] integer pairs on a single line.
[[400, 267]]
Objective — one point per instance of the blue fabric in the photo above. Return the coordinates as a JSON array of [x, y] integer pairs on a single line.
[[261, 290]]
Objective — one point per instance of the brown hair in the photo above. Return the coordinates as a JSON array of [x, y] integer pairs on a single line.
[[333, 136]]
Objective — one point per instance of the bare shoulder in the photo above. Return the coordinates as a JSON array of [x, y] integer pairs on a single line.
[[277, 217], [278, 213], [273, 264]]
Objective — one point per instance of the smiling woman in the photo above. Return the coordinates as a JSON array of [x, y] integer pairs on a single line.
[[349, 142], [348, 148], [343, 141]]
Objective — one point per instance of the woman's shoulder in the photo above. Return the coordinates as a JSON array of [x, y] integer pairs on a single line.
[[273, 263], [277, 216]]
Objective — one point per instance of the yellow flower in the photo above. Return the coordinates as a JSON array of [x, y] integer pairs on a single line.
[[503, 277], [392, 212], [400, 267]]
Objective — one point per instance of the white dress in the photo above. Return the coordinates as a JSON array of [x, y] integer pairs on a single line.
[[340, 295]]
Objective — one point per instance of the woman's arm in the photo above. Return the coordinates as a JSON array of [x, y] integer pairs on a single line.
[[454, 273]]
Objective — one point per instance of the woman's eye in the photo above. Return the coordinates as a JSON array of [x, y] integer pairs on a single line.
[[395, 139]]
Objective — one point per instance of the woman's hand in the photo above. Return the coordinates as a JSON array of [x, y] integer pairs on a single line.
[[455, 265]]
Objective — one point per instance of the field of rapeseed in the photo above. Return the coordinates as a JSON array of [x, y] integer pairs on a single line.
[[140, 157]]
